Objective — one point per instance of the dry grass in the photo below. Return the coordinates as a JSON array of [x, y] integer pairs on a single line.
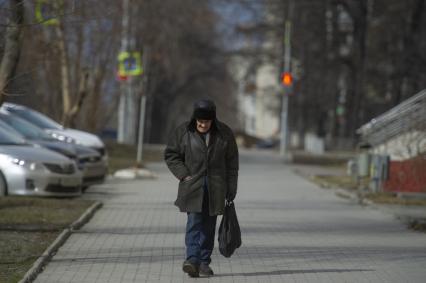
[[123, 156], [28, 226], [389, 198], [418, 225], [326, 159], [40, 211], [19, 250], [331, 181]]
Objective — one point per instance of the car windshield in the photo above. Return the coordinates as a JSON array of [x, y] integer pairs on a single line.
[[35, 118], [8, 138], [28, 130], [9, 129]]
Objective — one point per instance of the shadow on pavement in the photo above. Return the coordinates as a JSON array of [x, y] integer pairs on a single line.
[[296, 271], [137, 230], [314, 255]]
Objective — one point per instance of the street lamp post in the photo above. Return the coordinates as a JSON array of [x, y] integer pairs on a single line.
[[142, 108], [287, 83], [126, 87]]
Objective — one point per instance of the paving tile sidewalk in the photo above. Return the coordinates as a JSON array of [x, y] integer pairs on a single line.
[[292, 232]]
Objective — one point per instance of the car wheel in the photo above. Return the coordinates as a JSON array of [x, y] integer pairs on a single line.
[[3, 185]]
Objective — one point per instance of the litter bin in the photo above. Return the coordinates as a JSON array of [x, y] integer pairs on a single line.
[[363, 167]]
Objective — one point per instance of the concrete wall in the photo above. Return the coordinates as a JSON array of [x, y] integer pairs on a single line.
[[403, 147]]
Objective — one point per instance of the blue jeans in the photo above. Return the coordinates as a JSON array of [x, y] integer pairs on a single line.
[[200, 230]]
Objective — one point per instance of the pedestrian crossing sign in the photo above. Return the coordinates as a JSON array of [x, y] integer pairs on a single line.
[[47, 11], [129, 64]]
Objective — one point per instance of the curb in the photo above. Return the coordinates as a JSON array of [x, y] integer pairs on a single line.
[[355, 197], [87, 215], [39, 264], [134, 173]]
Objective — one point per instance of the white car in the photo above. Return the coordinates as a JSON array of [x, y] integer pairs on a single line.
[[55, 129], [29, 170]]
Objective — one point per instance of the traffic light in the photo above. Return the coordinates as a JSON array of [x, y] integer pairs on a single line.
[[287, 79]]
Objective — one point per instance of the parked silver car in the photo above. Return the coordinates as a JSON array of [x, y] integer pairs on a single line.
[[89, 161], [29, 170]]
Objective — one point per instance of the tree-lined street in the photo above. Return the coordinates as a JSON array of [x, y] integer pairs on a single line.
[[100, 90], [292, 231]]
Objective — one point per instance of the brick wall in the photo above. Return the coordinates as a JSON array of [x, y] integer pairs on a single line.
[[407, 176]]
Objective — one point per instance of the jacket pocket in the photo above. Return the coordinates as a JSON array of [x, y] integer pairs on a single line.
[[189, 186]]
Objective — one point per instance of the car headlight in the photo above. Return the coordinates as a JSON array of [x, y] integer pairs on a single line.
[[63, 138], [30, 165]]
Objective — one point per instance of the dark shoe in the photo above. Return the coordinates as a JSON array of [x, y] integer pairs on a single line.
[[190, 268], [205, 270]]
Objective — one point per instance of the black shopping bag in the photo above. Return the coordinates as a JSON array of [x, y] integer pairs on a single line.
[[229, 231]]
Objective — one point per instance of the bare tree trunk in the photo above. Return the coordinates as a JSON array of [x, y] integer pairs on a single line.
[[100, 73], [65, 76], [82, 93], [10, 58], [358, 11], [409, 46], [94, 102]]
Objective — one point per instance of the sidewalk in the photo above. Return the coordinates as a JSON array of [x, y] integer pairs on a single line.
[[291, 231]]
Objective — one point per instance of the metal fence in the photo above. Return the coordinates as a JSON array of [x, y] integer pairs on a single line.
[[408, 116]]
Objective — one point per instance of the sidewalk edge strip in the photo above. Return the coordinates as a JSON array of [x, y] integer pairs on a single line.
[[44, 258], [86, 216], [39, 264]]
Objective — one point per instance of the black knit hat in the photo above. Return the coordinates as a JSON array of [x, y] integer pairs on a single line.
[[204, 109]]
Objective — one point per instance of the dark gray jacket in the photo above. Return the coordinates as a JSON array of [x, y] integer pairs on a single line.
[[186, 154]]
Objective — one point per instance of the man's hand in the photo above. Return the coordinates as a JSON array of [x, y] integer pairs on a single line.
[[187, 178], [230, 197]]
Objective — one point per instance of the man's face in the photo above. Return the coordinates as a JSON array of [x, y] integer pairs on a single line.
[[203, 126]]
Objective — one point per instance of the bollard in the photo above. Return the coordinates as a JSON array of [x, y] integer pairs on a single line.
[[352, 169], [363, 168]]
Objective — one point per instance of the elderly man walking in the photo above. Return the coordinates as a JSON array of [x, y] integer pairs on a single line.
[[203, 155]]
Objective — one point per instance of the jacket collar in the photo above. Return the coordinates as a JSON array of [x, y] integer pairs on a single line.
[[215, 131]]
